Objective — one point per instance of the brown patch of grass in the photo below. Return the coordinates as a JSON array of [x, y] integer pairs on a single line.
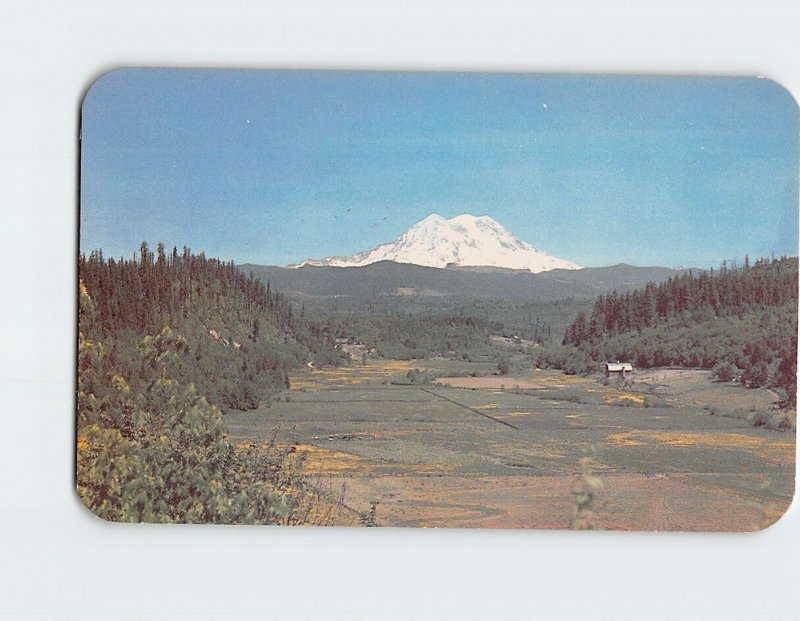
[[769, 449]]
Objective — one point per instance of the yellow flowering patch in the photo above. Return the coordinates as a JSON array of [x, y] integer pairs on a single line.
[[555, 379], [83, 443], [327, 461], [626, 438], [374, 373], [766, 448], [621, 397]]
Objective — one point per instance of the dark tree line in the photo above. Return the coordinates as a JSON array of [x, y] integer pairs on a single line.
[[695, 296], [156, 289]]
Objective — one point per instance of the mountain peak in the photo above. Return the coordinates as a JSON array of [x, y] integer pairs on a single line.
[[434, 218], [464, 240], [468, 217]]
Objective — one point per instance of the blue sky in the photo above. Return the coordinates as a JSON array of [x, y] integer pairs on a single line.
[[274, 167]]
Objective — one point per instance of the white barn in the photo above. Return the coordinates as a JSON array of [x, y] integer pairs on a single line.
[[618, 368]]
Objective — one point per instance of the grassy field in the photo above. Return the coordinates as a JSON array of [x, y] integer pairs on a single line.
[[538, 450]]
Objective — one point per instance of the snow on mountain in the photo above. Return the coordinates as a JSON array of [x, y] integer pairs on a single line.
[[464, 240]]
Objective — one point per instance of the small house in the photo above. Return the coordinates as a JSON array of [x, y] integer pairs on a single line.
[[618, 369]]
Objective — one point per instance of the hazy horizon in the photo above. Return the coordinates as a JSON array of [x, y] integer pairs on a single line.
[[276, 167]]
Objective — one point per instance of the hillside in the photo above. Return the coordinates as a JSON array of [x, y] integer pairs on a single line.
[[387, 279], [740, 321], [241, 335], [165, 342]]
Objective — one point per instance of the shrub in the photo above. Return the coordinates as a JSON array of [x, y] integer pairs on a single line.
[[761, 419], [504, 365], [757, 375], [724, 371]]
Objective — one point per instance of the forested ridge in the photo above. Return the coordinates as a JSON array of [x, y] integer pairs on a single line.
[[242, 337], [165, 341], [405, 337], [427, 322], [740, 321]]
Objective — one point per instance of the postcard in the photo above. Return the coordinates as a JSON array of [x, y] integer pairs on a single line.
[[466, 300]]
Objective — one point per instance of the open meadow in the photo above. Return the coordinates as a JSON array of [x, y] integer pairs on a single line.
[[670, 450]]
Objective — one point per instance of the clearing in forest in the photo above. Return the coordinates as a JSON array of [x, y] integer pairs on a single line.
[[667, 452]]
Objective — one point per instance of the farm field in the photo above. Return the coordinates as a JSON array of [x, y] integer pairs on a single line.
[[671, 451]]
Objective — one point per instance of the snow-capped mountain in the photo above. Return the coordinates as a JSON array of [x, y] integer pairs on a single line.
[[464, 240]]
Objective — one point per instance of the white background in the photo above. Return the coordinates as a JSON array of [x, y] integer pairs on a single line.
[[57, 560]]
